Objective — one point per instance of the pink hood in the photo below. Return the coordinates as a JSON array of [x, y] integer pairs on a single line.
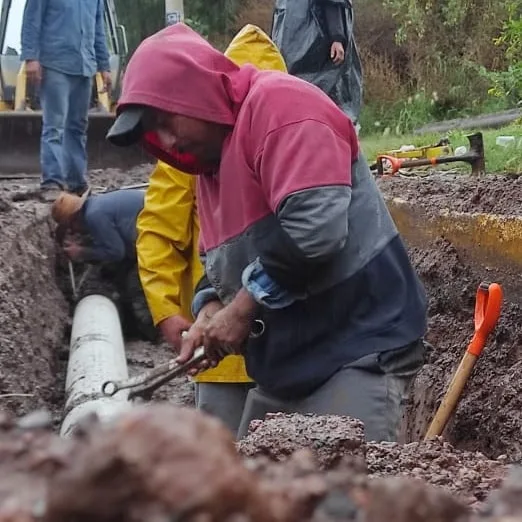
[[178, 71]]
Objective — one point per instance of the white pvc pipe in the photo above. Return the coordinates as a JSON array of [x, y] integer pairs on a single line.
[[96, 355], [174, 12]]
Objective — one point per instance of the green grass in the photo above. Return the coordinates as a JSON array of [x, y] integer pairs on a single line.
[[498, 159]]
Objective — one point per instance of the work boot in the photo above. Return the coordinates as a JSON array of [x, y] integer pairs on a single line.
[[49, 192]]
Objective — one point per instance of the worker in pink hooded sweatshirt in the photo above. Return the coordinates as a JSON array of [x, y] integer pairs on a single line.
[[297, 241]]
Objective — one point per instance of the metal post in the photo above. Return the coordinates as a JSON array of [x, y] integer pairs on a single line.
[[174, 12]]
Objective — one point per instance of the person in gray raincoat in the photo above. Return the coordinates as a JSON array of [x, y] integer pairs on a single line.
[[316, 40]]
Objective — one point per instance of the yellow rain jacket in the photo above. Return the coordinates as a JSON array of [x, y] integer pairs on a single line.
[[168, 225]]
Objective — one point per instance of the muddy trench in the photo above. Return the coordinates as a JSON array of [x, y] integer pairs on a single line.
[[452, 259], [484, 435], [37, 305]]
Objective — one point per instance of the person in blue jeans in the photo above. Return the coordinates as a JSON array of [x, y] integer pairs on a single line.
[[63, 46]]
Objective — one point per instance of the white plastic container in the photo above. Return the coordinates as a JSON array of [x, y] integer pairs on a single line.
[[460, 151], [505, 141]]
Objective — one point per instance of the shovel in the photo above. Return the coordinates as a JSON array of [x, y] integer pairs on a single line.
[[487, 312]]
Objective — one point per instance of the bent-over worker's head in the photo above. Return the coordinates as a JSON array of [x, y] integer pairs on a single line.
[[180, 99], [66, 209]]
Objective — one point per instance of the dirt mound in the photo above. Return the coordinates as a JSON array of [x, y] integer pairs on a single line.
[[470, 476], [33, 312], [192, 472], [461, 192], [330, 437], [191, 468], [113, 472]]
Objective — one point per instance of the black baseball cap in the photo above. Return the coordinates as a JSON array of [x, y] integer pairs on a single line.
[[128, 127]]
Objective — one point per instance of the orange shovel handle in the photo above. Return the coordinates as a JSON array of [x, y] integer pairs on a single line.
[[396, 163], [487, 311], [488, 304]]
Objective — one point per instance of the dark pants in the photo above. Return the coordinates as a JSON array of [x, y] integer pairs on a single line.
[[126, 279], [223, 400], [373, 389], [135, 300]]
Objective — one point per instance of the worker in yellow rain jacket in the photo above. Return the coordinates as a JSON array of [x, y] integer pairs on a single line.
[[168, 254]]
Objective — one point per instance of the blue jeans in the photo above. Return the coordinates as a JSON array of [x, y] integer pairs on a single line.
[[65, 101]]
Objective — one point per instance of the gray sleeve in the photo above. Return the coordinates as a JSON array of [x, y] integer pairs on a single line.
[[334, 14], [317, 220]]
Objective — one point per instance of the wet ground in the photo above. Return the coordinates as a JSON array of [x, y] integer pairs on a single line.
[[35, 312]]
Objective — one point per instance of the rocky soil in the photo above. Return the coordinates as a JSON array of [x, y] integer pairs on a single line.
[[468, 475], [192, 472]]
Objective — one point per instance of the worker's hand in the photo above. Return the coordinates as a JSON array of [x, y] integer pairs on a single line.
[[33, 70], [107, 81], [194, 338], [172, 327], [73, 250], [337, 53], [228, 329]]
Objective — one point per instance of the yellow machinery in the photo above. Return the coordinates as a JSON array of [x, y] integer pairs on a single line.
[[20, 115], [395, 160], [443, 148]]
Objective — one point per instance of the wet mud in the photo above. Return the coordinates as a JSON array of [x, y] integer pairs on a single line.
[[329, 437]]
